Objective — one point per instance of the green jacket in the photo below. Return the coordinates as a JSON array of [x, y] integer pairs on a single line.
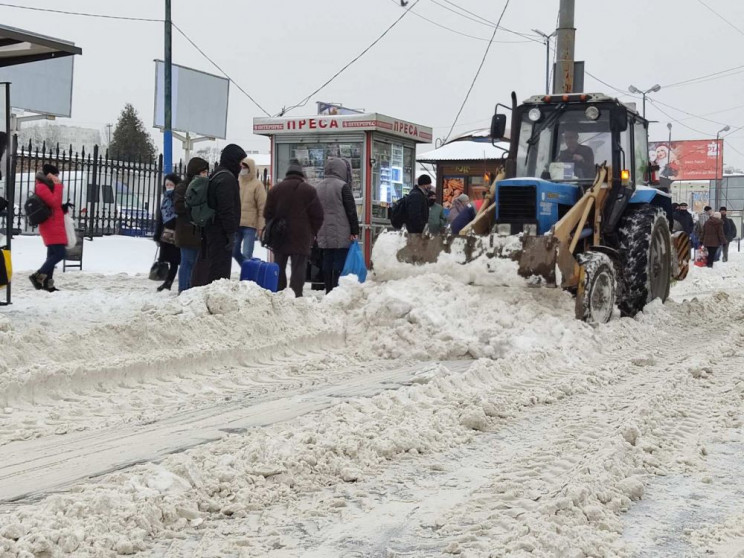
[[437, 220]]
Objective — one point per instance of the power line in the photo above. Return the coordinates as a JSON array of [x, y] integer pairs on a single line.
[[654, 103], [185, 36], [484, 39], [524, 35], [304, 101], [477, 73], [721, 17], [714, 75], [85, 14]]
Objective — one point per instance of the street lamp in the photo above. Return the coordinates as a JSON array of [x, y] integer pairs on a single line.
[[726, 128], [547, 57], [634, 89]]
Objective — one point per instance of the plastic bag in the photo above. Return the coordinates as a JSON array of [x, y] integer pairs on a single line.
[[70, 231], [354, 264], [701, 257]]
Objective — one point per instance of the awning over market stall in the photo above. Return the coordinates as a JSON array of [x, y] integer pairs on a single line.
[[19, 47]]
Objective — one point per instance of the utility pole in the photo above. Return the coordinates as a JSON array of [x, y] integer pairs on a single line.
[[565, 42], [108, 134], [167, 125]]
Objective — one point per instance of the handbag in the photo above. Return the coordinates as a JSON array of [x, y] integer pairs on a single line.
[[274, 233], [168, 236], [159, 270], [70, 231]]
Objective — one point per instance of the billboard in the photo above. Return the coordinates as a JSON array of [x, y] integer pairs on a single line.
[[44, 87], [688, 159], [199, 101]]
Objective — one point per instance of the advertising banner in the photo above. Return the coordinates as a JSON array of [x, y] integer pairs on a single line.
[[688, 159]]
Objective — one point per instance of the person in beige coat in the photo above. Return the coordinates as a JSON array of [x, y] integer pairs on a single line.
[[252, 203]]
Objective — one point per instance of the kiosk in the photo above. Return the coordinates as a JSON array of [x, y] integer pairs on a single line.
[[380, 149]]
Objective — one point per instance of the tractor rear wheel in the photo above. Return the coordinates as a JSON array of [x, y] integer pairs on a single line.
[[645, 254]]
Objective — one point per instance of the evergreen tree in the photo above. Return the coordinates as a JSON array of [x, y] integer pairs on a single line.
[[131, 141]]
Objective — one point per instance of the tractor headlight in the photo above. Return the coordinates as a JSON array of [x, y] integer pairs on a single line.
[[530, 230], [503, 229], [534, 115], [592, 113]]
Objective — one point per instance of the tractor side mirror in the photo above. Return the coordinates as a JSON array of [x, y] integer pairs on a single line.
[[618, 119], [498, 126]]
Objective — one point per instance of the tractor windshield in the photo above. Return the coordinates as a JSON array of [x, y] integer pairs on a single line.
[[563, 144]]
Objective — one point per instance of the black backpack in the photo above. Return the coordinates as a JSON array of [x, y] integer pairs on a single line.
[[398, 213], [36, 210]]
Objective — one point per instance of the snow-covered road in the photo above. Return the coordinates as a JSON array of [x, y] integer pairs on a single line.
[[417, 416]]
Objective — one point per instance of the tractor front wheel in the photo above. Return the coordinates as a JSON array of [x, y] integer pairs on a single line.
[[595, 296]]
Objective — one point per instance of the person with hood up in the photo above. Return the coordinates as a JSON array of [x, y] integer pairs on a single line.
[[165, 231], [340, 221], [437, 220], [188, 239], [458, 204], [252, 203], [49, 189], [296, 202], [218, 237], [713, 237]]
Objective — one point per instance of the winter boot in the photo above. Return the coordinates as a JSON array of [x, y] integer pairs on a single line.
[[165, 286], [37, 280], [49, 285]]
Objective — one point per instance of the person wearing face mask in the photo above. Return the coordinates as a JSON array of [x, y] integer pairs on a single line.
[[252, 202], [165, 231], [218, 237]]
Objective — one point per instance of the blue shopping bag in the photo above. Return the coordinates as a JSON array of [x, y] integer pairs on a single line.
[[355, 263]]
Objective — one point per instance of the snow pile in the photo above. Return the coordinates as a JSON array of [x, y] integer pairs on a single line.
[[219, 324], [481, 271]]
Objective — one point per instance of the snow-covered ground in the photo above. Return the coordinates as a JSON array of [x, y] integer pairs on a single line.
[[448, 412]]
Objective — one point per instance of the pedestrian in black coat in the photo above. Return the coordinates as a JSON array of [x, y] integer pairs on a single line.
[[417, 206], [684, 218], [218, 237]]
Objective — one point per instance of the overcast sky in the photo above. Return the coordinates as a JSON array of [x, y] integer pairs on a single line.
[[281, 50]]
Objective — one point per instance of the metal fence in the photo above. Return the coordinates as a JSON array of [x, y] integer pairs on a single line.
[[109, 197]]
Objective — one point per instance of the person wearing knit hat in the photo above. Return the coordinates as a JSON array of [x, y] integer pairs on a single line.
[[729, 231], [165, 230], [188, 238], [417, 206], [218, 237], [296, 203]]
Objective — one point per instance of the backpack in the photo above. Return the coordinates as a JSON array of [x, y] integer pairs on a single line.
[[36, 210], [196, 200], [398, 213]]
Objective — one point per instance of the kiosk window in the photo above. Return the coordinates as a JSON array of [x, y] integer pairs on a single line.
[[313, 157], [392, 171]]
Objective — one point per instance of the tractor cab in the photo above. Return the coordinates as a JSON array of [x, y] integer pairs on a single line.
[[557, 142]]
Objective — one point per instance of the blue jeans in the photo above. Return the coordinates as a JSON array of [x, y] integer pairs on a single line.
[[55, 254], [188, 258], [245, 238]]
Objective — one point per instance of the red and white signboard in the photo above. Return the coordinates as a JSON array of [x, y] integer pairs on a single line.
[[330, 124], [688, 159]]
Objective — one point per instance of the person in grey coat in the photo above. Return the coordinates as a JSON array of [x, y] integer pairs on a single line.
[[340, 222]]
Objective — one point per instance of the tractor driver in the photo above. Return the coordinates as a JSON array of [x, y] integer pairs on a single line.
[[581, 156]]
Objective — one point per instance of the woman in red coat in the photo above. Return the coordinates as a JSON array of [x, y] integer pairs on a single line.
[[49, 189]]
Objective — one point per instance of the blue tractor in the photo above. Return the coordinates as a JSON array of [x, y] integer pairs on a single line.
[[579, 194]]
